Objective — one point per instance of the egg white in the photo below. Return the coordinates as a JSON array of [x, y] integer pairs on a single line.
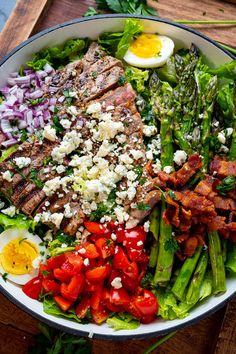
[[12, 234], [153, 62]]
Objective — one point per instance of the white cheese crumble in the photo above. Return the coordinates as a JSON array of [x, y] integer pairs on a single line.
[[10, 211], [168, 169], [180, 157], [140, 243], [51, 186], [22, 162], [64, 245], [82, 251], [56, 219], [7, 176], [71, 141], [221, 137], [156, 166], [86, 262], [146, 226], [149, 130], [116, 283], [49, 133], [60, 169], [229, 131], [66, 123], [94, 109]]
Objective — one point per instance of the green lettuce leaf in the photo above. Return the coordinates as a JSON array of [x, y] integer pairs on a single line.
[[207, 286], [122, 321], [231, 258], [137, 78], [168, 72], [58, 56], [19, 221], [132, 29], [50, 307], [227, 70], [6, 153]]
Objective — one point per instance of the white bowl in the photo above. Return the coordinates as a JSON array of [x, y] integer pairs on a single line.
[[91, 27]]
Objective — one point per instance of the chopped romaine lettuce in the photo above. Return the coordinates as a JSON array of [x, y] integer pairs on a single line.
[[20, 221], [137, 78], [122, 321], [50, 307], [6, 153], [231, 258]]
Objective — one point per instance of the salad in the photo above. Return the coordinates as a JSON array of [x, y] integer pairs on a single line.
[[118, 178]]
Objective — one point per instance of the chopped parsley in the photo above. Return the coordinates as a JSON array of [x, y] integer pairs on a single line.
[[143, 206], [35, 101], [171, 245], [139, 171], [122, 80], [69, 171], [23, 135], [56, 125], [94, 74], [172, 195], [34, 178], [47, 160], [108, 242], [4, 276]]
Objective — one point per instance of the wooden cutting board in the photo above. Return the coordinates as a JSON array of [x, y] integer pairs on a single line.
[[215, 334]]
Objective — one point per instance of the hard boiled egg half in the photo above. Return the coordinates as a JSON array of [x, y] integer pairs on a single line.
[[20, 255], [149, 51]]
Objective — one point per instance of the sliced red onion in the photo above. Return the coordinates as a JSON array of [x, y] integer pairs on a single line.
[[8, 113], [10, 142], [47, 80], [6, 126], [53, 89], [48, 68], [36, 94], [23, 80], [4, 90], [51, 108], [22, 124], [41, 74]]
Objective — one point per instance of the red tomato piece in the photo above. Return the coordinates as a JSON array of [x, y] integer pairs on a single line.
[[95, 227], [74, 288], [133, 254], [96, 297], [148, 319], [44, 272], [64, 304], [97, 274], [120, 233], [134, 238], [119, 296], [99, 316], [107, 303], [105, 247], [132, 270], [69, 268], [74, 259], [50, 286], [56, 262], [145, 303], [120, 260], [61, 275], [87, 250], [83, 307], [129, 283], [33, 288]]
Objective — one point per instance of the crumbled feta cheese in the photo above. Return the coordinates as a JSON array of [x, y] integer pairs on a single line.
[[22, 162], [82, 251], [71, 141], [131, 175], [224, 149], [60, 169], [51, 186], [137, 154], [196, 134], [56, 219], [10, 211], [7, 176], [68, 213], [72, 110], [47, 203], [146, 226], [94, 109], [36, 262], [180, 157], [88, 145], [48, 236], [116, 283], [229, 131], [156, 166], [64, 245], [149, 155], [86, 262], [140, 243], [168, 169], [221, 137], [149, 130], [49, 133], [121, 138], [66, 123], [126, 159], [90, 335], [108, 129], [113, 237]]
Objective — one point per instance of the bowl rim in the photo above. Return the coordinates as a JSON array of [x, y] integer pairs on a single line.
[[84, 333]]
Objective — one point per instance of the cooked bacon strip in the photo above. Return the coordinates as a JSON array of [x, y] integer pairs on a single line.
[[205, 187], [222, 168], [216, 223], [183, 175]]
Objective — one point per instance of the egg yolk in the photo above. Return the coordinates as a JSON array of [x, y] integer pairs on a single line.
[[17, 256], [146, 46]]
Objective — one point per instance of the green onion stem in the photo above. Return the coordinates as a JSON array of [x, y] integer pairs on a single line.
[[230, 49], [159, 342], [207, 22]]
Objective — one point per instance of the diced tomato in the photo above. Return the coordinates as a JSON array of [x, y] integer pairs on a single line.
[[129, 283], [99, 316], [74, 288], [145, 303], [69, 268], [74, 259], [120, 233], [120, 260], [33, 288], [107, 302], [50, 286], [97, 274], [64, 304], [134, 238], [96, 297], [132, 309], [87, 250], [62, 275], [44, 272], [83, 307], [148, 319], [105, 247], [114, 273], [90, 287], [132, 270], [133, 254], [119, 296], [95, 227], [56, 262]]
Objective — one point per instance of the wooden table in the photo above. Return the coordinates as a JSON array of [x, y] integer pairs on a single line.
[[215, 334]]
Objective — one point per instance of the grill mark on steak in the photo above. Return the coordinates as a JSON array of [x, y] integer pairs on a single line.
[[32, 201]]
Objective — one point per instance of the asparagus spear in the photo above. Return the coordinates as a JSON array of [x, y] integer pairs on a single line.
[[162, 106], [217, 263], [193, 293], [154, 228], [207, 285], [208, 103], [231, 258], [185, 274]]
